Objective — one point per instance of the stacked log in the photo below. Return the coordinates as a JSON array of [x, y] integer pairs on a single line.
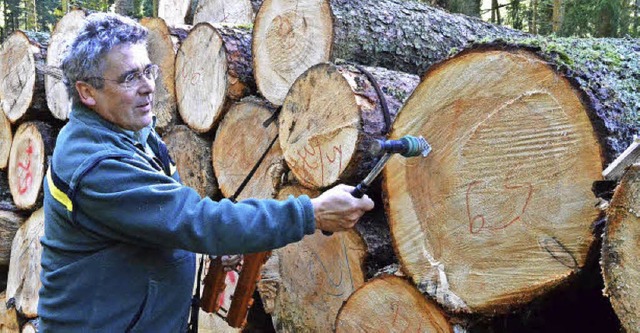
[[619, 259], [407, 36], [62, 36], [213, 69], [22, 58], [6, 137], [518, 140], [224, 11]]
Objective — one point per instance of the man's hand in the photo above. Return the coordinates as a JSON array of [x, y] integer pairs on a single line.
[[337, 210]]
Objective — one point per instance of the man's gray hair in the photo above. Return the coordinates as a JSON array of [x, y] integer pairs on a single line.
[[85, 59]]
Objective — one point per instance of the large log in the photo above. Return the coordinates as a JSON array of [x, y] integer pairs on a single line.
[[28, 161], [619, 260], [162, 45], [213, 68], [192, 154], [390, 304], [291, 36], [501, 211], [62, 36], [245, 133], [331, 115], [6, 137], [22, 92], [173, 11], [224, 11], [23, 282]]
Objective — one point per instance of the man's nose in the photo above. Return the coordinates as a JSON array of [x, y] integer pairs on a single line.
[[147, 85]]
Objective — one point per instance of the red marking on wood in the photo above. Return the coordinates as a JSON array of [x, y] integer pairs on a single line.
[[195, 76], [474, 229], [25, 178], [318, 158]]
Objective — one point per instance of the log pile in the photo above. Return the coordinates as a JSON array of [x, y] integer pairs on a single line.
[[500, 216]]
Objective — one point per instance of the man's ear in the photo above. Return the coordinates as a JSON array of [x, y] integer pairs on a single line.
[[87, 93]]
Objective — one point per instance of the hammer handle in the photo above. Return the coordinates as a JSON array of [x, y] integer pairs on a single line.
[[358, 192]]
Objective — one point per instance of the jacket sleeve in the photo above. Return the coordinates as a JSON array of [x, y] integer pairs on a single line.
[[128, 201]]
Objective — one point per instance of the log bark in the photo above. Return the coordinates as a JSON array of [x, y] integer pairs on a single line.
[[9, 224], [619, 259], [390, 304], [162, 45], [6, 137], [241, 139], [213, 68], [501, 210], [192, 154], [173, 12], [23, 282], [224, 11], [407, 36], [325, 133], [32, 146], [22, 92], [62, 36]]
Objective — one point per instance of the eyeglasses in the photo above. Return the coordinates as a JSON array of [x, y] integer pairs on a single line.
[[132, 80]]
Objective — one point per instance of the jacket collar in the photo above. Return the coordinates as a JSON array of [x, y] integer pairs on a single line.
[[89, 117]]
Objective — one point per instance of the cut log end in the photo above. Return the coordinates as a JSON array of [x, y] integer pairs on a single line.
[[27, 163], [288, 39], [6, 137], [201, 78], [390, 304], [220, 11], [505, 204], [620, 250], [17, 84]]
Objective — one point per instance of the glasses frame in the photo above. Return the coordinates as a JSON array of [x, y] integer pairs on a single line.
[[132, 80]]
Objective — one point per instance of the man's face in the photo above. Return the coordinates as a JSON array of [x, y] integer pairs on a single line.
[[128, 108]]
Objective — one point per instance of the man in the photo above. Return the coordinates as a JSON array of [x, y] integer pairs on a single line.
[[120, 230]]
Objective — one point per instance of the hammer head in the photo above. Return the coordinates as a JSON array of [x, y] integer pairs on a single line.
[[407, 146]]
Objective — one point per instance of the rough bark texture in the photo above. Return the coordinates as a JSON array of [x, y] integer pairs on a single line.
[[6, 137], [399, 35], [330, 116], [32, 146], [192, 154], [241, 140], [501, 210], [162, 46], [22, 92], [619, 261], [62, 36], [23, 282], [390, 304], [213, 68], [224, 11], [9, 224]]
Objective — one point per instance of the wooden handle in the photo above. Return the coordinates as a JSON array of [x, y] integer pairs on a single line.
[[243, 297], [213, 286]]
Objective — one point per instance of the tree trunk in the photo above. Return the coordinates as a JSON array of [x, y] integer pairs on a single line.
[[291, 36], [162, 45], [331, 115], [398, 307], [9, 224], [62, 36], [28, 161], [6, 137], [22, 83], [224, 11], [558, 15], [501, 210], [124, 7], [619, 250], [173, 11], [23, 282], [213, 68], [192, 154], [241, 139]]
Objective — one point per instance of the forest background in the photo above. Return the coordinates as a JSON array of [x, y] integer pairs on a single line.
[[567, 18]]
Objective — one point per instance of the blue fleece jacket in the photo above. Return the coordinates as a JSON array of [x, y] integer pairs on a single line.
[[120, 232]]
